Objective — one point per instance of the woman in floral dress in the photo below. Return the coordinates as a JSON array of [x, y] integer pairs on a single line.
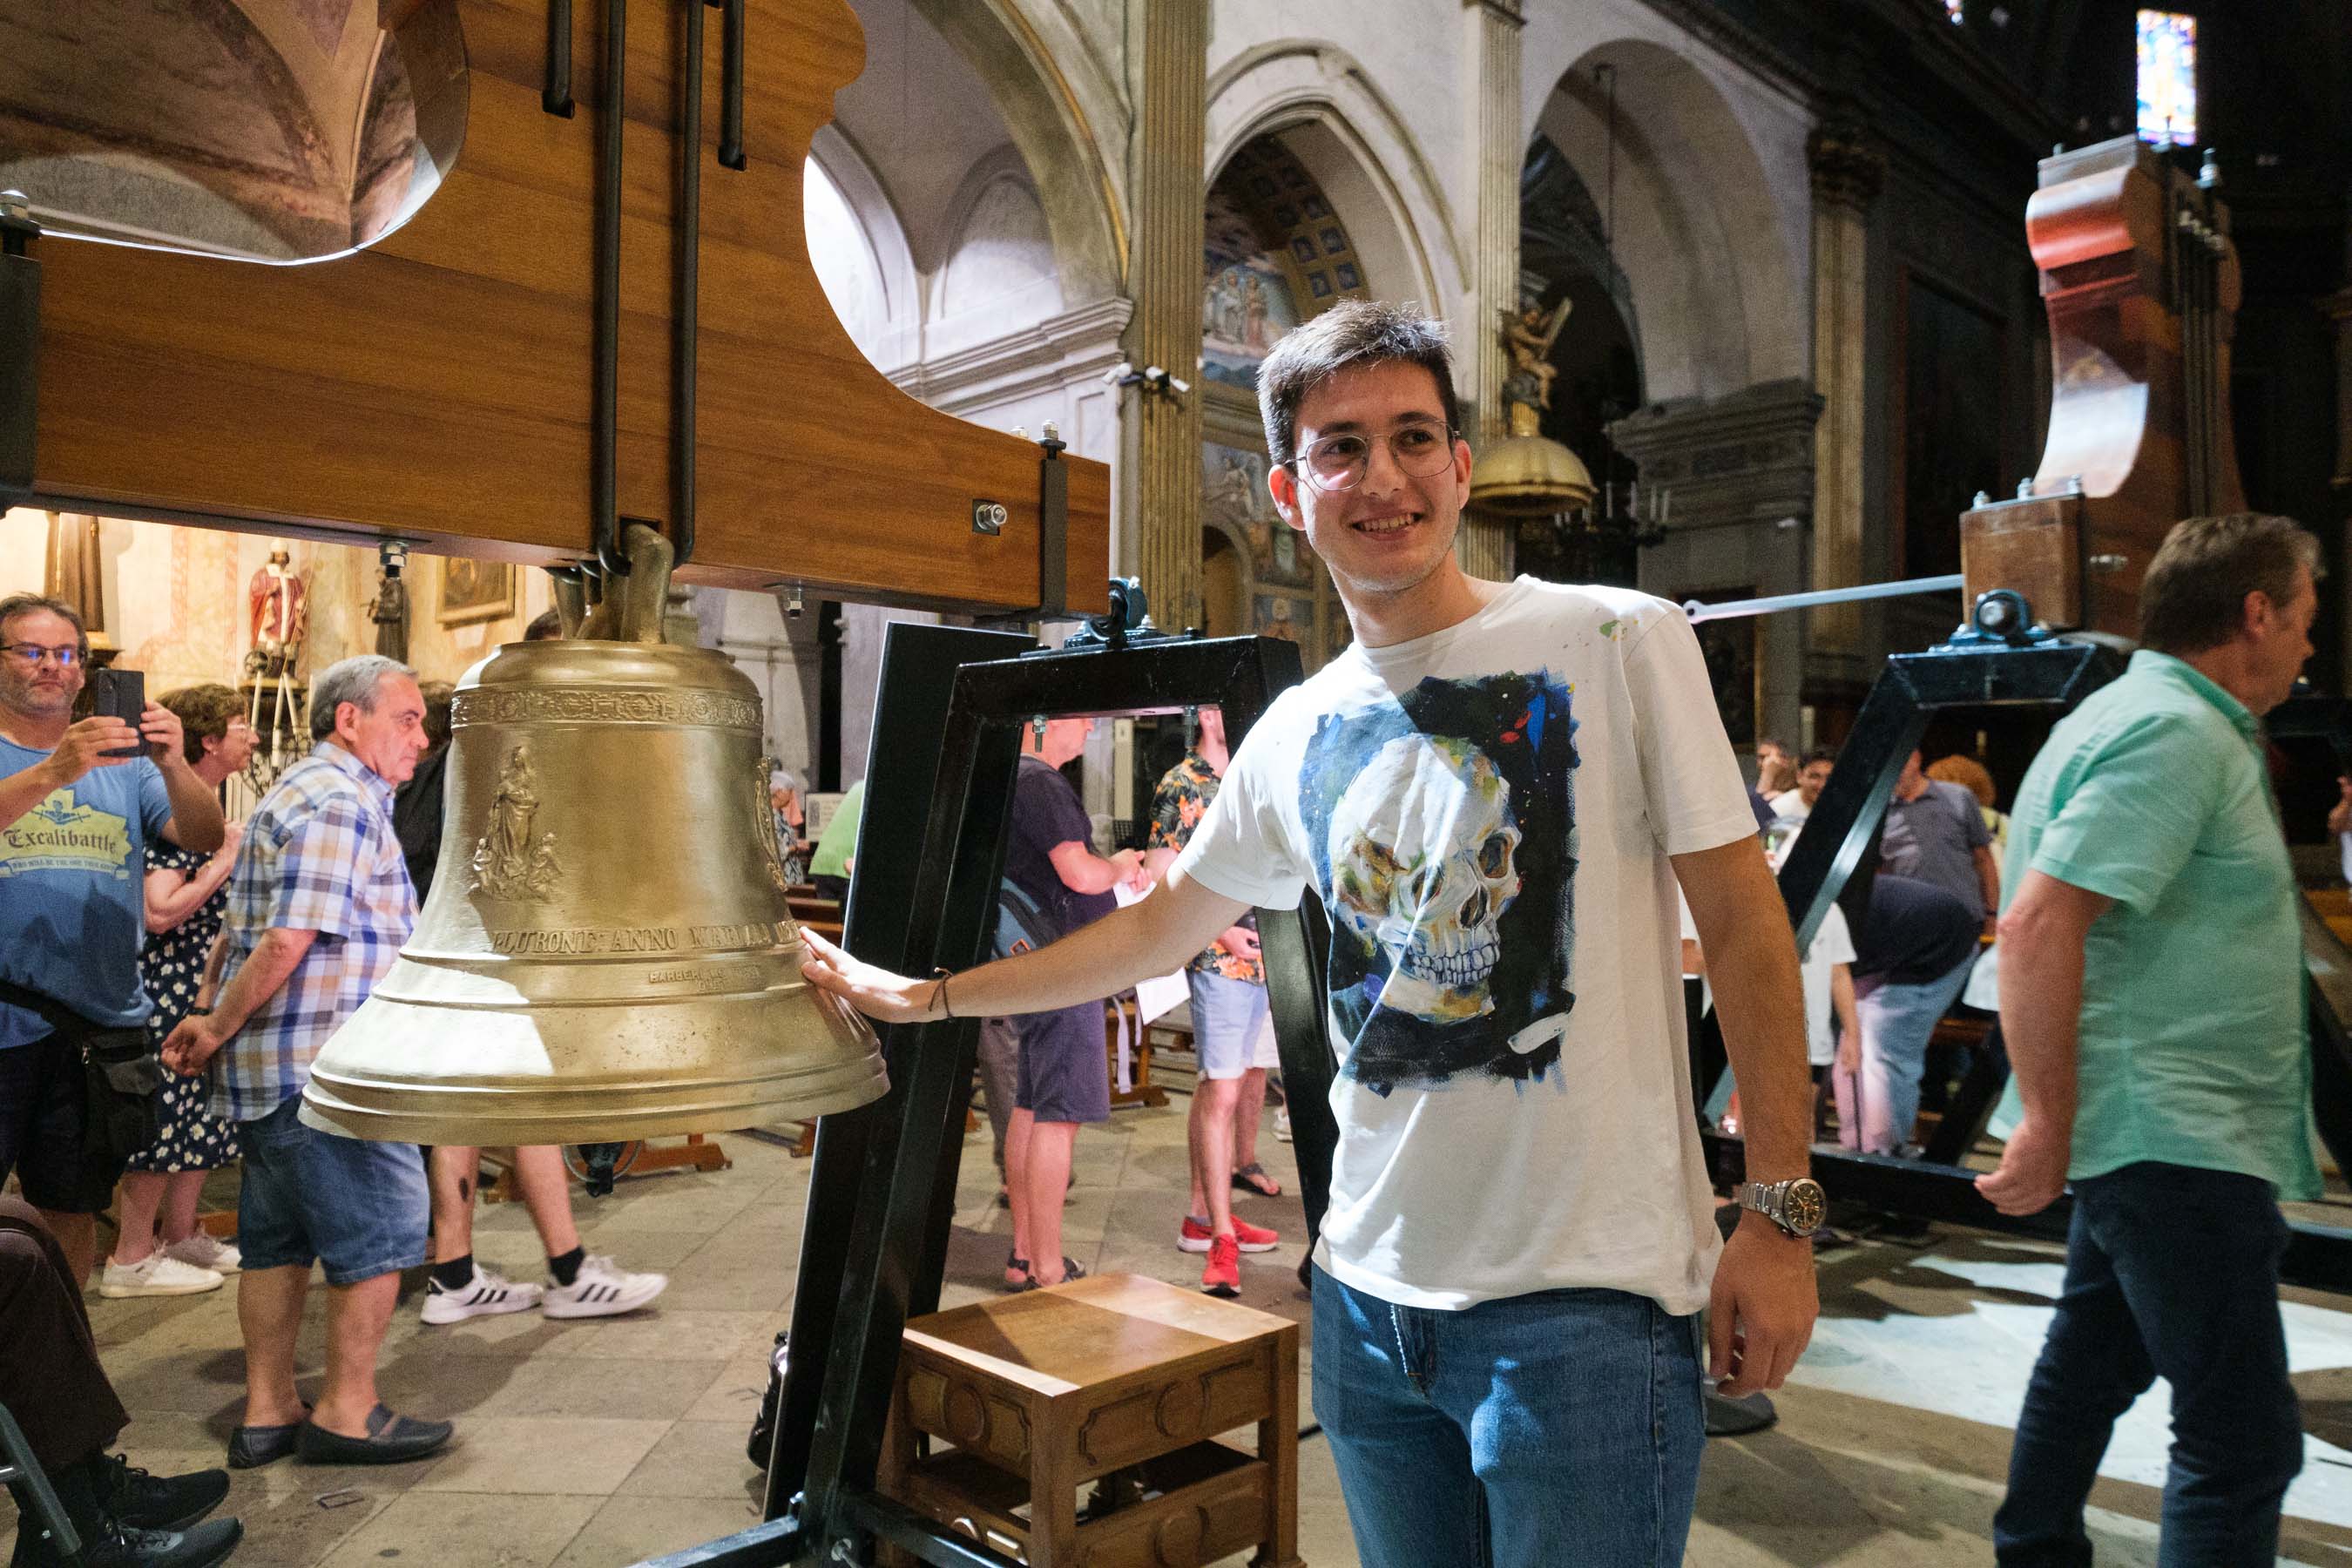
[[161, 1251]]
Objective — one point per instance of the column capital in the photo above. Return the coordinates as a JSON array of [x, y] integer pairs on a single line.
[[1500, 10], [1847, 162]]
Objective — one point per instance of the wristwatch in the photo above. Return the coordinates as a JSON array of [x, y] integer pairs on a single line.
[[1797, 1206]]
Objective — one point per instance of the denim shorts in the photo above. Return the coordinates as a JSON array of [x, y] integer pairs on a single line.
[[1064, 1074], [1227, 1015], [358, 1206]]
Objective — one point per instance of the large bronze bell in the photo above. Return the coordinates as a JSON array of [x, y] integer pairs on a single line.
[[605, 953]]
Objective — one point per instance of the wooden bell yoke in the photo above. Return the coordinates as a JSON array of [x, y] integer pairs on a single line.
[[581, 324], [2142, 284]]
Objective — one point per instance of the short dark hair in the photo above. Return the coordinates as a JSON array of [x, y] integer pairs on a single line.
[[437, 695], [16, 605], [2194, 595], [1818, 755], [205, 712], [545, 625], [1350, 333]]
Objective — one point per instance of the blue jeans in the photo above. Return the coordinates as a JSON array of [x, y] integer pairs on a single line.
[[1501, 1434], [1897, 1021], [2170, 1272]]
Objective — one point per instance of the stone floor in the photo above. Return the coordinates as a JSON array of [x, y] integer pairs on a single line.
[[604, 1442]]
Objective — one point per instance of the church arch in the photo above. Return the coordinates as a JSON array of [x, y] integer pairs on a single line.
[[1057, 122], [1323, 106], [1696, 229]]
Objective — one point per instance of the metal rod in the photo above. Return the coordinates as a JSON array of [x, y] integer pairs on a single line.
[[730, 87], [689, 287], [605, 471], [556, 97], [1698, 611]]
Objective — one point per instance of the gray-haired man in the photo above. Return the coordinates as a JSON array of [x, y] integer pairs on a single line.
[[318, 908]]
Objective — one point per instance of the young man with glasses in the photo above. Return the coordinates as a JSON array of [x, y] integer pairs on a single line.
[[1494, 792], [74, 826]]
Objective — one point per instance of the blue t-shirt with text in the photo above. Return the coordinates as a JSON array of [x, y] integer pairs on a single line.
[[71, 892]]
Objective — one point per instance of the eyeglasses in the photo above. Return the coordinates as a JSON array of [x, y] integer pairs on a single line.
[[1422, 448], [31, 654]]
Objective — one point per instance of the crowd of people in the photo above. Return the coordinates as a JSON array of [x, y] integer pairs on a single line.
[[131, 912]]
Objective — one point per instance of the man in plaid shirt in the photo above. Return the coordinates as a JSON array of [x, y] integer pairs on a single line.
[[318, 905]]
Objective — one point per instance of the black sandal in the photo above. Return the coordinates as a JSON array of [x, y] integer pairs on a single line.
[[1246, 1180], [1016, 1264], [1071, 1269]]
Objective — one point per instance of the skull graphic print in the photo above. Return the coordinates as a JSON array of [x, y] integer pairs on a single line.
[[1444, 829]]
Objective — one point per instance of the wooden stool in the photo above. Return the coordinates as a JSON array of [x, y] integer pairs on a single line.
[[1122, 1014], [1113, 1376]]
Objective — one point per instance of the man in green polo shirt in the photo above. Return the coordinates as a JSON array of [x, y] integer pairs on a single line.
[[2151, 996]]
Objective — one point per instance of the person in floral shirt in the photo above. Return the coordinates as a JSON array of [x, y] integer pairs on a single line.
[[1228, 985]]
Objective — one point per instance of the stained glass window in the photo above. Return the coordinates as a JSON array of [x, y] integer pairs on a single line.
[[2168, 78]]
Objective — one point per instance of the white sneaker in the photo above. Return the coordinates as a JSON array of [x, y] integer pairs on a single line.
[[488, 1294], [1282, 1123], [602, 1290], [156, 1274], [202, 1251]]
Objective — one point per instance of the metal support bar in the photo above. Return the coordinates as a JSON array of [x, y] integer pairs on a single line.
[[1053, 528], [1698, 610], [20, 348], [685, 344], [774, 1545], [556, 96], [731, 84], [919, 666], [911, 1533], [605, 481]]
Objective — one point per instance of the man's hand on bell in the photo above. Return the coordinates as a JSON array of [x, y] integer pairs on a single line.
[[884, 997]]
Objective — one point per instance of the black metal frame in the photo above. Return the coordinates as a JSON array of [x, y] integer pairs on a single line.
[[20, 350], [882, 1189], [1832, 862]]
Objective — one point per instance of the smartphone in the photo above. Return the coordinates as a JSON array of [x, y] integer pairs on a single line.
[[121, 694]]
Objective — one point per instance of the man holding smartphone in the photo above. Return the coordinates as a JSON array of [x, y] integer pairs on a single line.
[[78, 801]]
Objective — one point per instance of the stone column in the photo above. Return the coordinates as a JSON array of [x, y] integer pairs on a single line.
[[1484, 545], [1847, 170], [1161, 475]]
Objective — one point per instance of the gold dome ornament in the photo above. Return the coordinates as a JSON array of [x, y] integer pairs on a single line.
[[606, 953], [1527, 474]]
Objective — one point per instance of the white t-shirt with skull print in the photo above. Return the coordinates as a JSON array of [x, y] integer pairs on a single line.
[[1486, 813]]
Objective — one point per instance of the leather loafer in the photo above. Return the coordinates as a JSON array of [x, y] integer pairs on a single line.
[[391, 1440], [250, 1447]]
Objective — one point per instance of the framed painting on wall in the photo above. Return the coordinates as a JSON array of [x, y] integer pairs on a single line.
[[474, 591]]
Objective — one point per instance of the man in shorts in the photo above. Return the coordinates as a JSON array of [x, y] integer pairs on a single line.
[[1227, 980], [1064, 1078], [74, 826], [318, 906]]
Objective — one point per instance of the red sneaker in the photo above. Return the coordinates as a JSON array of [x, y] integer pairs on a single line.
[[1193, 1236], [1222, 1276]]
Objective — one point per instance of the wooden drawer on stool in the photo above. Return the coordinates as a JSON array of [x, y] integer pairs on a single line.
[[1051, 1389]]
